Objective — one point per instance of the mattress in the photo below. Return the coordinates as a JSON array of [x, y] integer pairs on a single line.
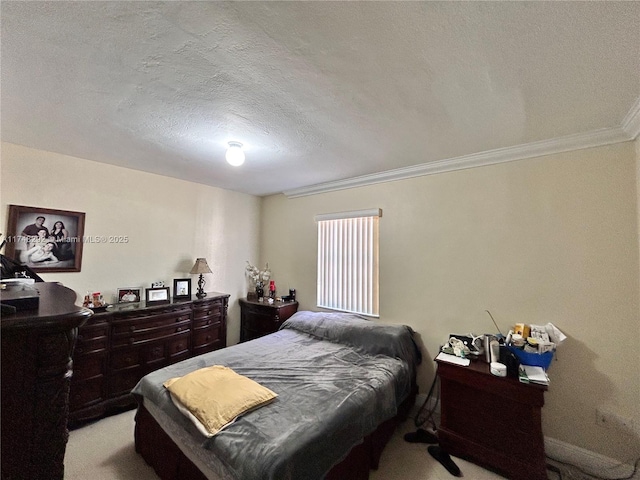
[[337, 377]]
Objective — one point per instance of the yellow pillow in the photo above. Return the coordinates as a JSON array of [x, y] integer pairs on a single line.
[[217, 395]]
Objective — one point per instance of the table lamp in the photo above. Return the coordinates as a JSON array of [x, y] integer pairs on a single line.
[[200, 267]]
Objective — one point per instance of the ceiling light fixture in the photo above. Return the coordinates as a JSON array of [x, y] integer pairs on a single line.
[[235, 155]]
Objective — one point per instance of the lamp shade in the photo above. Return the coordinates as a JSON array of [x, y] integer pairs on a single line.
[[200, 266]]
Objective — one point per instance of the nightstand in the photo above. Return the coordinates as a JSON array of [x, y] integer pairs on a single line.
[[492, 421], [260, 318]]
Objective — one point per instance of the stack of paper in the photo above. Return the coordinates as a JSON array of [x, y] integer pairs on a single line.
[[531, 374], [445, 357]]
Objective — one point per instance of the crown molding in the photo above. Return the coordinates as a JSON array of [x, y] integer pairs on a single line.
[[631, 122], [595, 138]]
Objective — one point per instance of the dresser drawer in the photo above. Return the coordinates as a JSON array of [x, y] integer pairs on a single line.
[[86, 393], [178, 345], [138, 314], [253, 308], [126, 358], [92, 331], [143, 324], [122, 382], [94, 345], [261, 323], [155, 355], [249, 334], [144, 336], [213, 308], [206, 337], [211, 321], [88, 366]]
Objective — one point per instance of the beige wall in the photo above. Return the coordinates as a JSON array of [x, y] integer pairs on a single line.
[[550, 239], [168, 223], [553, 239]]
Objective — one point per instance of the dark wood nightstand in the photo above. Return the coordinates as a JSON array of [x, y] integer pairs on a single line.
[[493, 421], [260, 318]]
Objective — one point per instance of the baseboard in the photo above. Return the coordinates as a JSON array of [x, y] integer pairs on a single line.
[[590, 462]]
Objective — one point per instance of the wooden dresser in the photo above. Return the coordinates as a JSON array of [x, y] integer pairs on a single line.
[[493, 421], [260, 318], [118, 347], [36, 368]]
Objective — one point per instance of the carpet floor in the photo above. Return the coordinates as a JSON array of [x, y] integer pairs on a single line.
[[104, 450]]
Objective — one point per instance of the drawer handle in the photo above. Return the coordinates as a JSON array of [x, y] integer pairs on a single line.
[[208, 337], [132, 328], [208, 322], [178, 329], [208, 312], [131, 340]]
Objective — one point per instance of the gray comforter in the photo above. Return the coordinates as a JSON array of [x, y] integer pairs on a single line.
[[337, 377]]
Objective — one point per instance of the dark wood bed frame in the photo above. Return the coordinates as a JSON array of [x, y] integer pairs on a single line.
[[166, 458]]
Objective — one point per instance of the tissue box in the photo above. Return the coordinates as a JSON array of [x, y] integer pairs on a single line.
[[536, 359]]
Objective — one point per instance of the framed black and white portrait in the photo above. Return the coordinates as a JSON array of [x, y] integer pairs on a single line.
[[45, 239]]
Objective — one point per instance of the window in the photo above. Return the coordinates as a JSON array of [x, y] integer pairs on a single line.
[[348, 261]]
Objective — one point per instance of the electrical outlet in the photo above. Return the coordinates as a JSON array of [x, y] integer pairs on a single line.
[[608, 419]]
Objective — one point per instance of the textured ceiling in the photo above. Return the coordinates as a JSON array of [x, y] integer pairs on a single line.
[[316, 91]]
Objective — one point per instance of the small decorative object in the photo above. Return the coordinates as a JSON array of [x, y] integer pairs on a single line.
[[157, 284], [252, 296], [272, 289], [157, 295], [129, 295], [291, 297], [258, 278], [200, 267], [95, 301], [182, 288]]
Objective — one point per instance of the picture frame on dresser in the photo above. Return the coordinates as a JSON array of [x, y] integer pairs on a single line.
[[46, 240], [129, 295], [182, 288], [156, 295]]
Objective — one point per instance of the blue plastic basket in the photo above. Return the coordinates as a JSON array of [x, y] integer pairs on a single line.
[[536, 359]]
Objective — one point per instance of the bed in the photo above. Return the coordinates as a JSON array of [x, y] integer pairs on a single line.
[[342, 382]]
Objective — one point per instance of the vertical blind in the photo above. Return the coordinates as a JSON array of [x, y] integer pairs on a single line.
[[348, 261]]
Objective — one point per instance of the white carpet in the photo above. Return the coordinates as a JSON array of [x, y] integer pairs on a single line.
[[104, 450]]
